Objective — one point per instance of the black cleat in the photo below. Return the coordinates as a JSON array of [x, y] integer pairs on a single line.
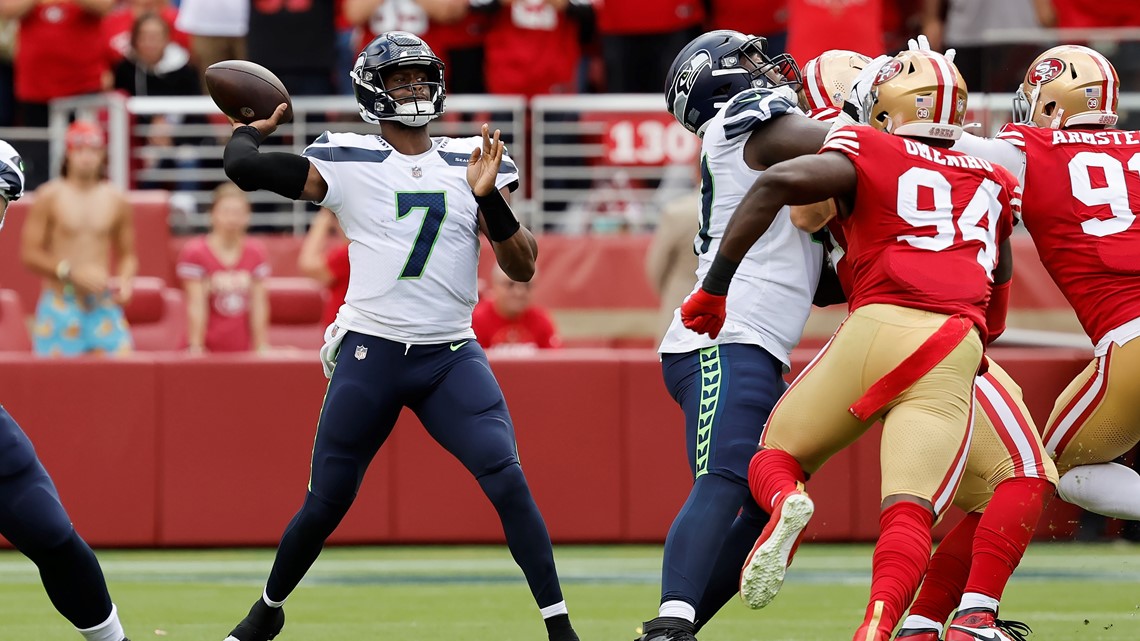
[[263, 623], [669, 629], [558, 628]]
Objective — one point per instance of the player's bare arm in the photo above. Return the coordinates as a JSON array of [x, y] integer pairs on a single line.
[[514, 245], [123, 243], [285, 174], [800, 181], [783, 138]]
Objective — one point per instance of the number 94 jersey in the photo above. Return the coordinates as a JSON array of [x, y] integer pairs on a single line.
[[413, 231], [1082, 189], [926, 223]]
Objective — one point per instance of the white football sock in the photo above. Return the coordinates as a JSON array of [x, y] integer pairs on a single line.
[[109, 630], [554, 610], [678, 610], [971, 600], [915, 622], [270, 602], [1106, 488]]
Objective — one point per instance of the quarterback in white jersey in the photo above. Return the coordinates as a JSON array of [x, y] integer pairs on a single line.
[[414, 232], [412, 207], [745, 105], [32, 517]]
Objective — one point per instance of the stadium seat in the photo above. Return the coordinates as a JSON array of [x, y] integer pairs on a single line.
[[295, 306], [157, 316], [13, 324]]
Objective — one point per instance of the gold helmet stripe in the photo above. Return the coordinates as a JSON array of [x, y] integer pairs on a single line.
[[813, 73]]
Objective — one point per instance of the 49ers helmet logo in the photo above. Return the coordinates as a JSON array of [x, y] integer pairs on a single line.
[[1046, 70], [889, 70]]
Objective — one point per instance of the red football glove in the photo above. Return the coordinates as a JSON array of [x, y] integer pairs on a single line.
[[703, 312]]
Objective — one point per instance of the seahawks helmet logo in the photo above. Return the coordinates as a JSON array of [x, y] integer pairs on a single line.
[[687, 77]]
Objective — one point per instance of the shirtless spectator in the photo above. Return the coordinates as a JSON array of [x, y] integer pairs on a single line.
[[76, 224]]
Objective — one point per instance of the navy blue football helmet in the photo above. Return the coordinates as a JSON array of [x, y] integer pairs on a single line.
[[716, 66], [11, 176], [386, 51]]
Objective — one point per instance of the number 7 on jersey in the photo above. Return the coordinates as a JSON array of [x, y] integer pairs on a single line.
[[433, 206]]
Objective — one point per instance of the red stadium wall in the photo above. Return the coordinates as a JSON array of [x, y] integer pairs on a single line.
[[169, 451]]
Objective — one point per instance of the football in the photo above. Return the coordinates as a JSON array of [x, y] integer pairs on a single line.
[[246, 91]]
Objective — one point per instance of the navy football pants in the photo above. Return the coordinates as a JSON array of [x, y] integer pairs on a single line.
[[33, 519], [451, 389], [726, 393]]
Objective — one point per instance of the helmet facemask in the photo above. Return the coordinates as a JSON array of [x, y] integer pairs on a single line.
[[385, 54]]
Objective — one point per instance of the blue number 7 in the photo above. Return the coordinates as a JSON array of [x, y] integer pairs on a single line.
[[433, 205]]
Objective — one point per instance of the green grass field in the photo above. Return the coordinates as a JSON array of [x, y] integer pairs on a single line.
[[1066, 592]]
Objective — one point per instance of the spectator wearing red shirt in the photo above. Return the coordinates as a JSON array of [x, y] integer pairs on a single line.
[[532, 46], [450, 27], [224, 275], [640, 38], [509, 321], [60, 52], [118, 24], [324, 258]]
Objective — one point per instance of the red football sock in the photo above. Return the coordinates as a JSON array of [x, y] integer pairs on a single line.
[[773, 473], [1004, 532], [901, 557], [949, 570]]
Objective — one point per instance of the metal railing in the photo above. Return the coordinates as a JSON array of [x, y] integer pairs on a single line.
[[590, 163], [176, 143]]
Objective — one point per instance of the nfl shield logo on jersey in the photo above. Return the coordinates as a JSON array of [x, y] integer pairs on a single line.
[[361, 352], [417, 172]]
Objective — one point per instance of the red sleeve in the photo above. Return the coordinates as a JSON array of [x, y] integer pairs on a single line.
[[845, 140], [191, 260], [337, 261], [544, 331]]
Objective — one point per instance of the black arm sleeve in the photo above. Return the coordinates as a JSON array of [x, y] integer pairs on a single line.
[[283, 174]]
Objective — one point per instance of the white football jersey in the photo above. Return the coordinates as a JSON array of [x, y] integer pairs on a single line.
[[771, 293], [413, 231]]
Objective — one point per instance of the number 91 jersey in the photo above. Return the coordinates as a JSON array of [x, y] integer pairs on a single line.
[[926, 223], [413, 231], [1082, 188]]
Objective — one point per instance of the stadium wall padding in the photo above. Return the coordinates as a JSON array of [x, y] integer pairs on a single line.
[[213, 451]]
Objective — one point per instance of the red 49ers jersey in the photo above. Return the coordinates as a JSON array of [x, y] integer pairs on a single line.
[[1082, 189], [926, 223]]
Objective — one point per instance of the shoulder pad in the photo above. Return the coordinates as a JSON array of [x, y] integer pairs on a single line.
[[753, 107]]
